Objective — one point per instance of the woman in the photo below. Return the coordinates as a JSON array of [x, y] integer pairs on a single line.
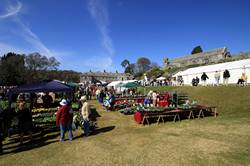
[[85, 112], [25, 120], [64, 117]]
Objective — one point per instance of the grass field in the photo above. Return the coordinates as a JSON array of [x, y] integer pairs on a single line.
[[224, 140]]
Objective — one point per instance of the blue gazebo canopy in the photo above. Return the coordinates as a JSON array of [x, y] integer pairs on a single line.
[[44, 86]]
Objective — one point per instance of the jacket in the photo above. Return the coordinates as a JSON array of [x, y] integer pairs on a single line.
[[226, 74], [204, 76], [64, 115], [85, 111]]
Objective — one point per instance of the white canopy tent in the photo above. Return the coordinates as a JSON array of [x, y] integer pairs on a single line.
[[117, 85], [235, 68], [160, 78]]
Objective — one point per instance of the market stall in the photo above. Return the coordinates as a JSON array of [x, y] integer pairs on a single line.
[[43, 114]]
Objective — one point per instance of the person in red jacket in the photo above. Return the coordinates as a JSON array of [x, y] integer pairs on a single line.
[[64, 119]]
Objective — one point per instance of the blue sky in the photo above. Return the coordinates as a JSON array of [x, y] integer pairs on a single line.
[[99, 34]]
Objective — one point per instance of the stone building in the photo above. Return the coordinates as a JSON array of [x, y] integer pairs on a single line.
[[212, 56], [241, 55], [105, 76]]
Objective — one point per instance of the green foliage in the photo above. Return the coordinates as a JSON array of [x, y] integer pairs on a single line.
[[36, 61], [3, 104], [19, 69], [125, 63], [193, 65], [143, 64], [75, 105], [154, 73], [129, 69], [196, 50], [172, 70], [137, 69], [12, 69], [63, 75], [139, 75]]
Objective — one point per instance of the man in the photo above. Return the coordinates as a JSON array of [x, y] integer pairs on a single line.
[[204, 78], [64, 117], [85, 112], [226, 76]]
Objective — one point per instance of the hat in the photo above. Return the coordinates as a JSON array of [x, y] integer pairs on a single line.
[[63, 102], [83, 98]]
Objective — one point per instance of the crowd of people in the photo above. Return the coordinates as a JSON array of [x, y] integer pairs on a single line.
[[242, 81], [106, 96], [64, 118]]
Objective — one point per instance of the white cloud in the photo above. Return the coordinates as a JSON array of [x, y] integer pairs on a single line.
[[26, 33], [33, 39], [98, 63], [98, 11], [12, 10], [5, 48]]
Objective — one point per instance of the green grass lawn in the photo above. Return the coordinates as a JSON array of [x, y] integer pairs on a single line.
[[224, 140]]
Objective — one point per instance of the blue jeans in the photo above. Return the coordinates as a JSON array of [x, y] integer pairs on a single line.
[[64, 128], [86, 127]]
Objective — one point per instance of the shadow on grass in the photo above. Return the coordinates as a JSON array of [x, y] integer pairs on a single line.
[[102, 130], [94, 114], [97, 131], [42, 136]]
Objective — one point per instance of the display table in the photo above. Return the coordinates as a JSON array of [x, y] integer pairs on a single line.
[[199, 111], [139, 99], [163, 103]]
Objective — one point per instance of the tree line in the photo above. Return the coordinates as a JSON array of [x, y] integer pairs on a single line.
[[143, 65], [138, 68], [17, 69]]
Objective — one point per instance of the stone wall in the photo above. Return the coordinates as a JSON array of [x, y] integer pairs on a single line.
[[241, 55], [212, 56], [105, 76]]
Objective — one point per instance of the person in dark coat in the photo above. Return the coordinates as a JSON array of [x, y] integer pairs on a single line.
[[24, 120], [194, 82], [226, 76], [204, 78], [197, 80], [47, 100]]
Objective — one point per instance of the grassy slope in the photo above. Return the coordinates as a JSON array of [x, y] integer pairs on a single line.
[[224, 140]]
